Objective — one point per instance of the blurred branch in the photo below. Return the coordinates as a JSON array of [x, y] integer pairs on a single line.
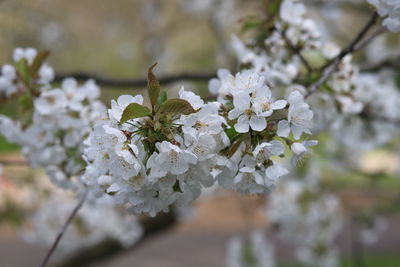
[[386, 64], [105, 249], [297, 51], [141, 82], [357, 5], [13, 163], [63, 229], [331, 66]]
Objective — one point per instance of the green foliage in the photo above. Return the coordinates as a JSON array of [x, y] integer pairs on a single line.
[[162, 98], [251, 22], [176, 106], [153, 87], [134, 111], [231, 133], [38, 62], [23, 71]]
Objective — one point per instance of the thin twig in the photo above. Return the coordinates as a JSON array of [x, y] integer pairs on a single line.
[[366, 41], [63, 229], [296, 50], [331, 66], [141, 82]]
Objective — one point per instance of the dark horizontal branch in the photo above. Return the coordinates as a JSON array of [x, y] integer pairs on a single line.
[[140, 82], [13, 163]]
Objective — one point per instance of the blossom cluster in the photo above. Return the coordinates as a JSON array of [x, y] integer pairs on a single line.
[[359, 109], [262, 127], [390, 10], [275, 58], [307, 218], [56, 119], [152, 159], [151, 163], [93, 224]]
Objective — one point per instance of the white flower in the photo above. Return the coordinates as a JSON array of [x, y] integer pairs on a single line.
[[390, 10], [29, 54], [299, 117], [46, 74], [169, 159], [117, 107], [8, 72], [263, 104], [253, 108], [221, 85], [292, 11], [192, 98], [266, 150], [51, 102], [249, 180], [247, 118], [300, 149], [74, 94], [204, 122], [273, 173]]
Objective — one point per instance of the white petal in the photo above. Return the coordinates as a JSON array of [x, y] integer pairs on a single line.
[[242, 125], [283, 128], [241, 100], [297, 131], [275, 171], [234, 113], [280, 104], [298, 148], [277, 148], [125, 100], [258, 123], [295, 97], [258, 178]]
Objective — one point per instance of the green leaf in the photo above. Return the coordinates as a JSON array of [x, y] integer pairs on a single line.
[[134, 111], [38, 62], [162, 98], [251, 23], [153, 86], [22, 68], [273, 7], [231, 133], [25, 102], [176, 106]]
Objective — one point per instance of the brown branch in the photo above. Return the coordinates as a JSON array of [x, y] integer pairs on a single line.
[[115, 82], [366, 41], [13, 163], [63, 229], [331, 66], [297, 50]]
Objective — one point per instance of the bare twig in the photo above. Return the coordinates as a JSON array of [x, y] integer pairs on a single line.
[[63, 229], [366, 41], [114, 82], [331, 66], [297, 50]]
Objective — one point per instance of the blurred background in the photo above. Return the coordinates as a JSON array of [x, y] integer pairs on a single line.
[[121, 39]]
